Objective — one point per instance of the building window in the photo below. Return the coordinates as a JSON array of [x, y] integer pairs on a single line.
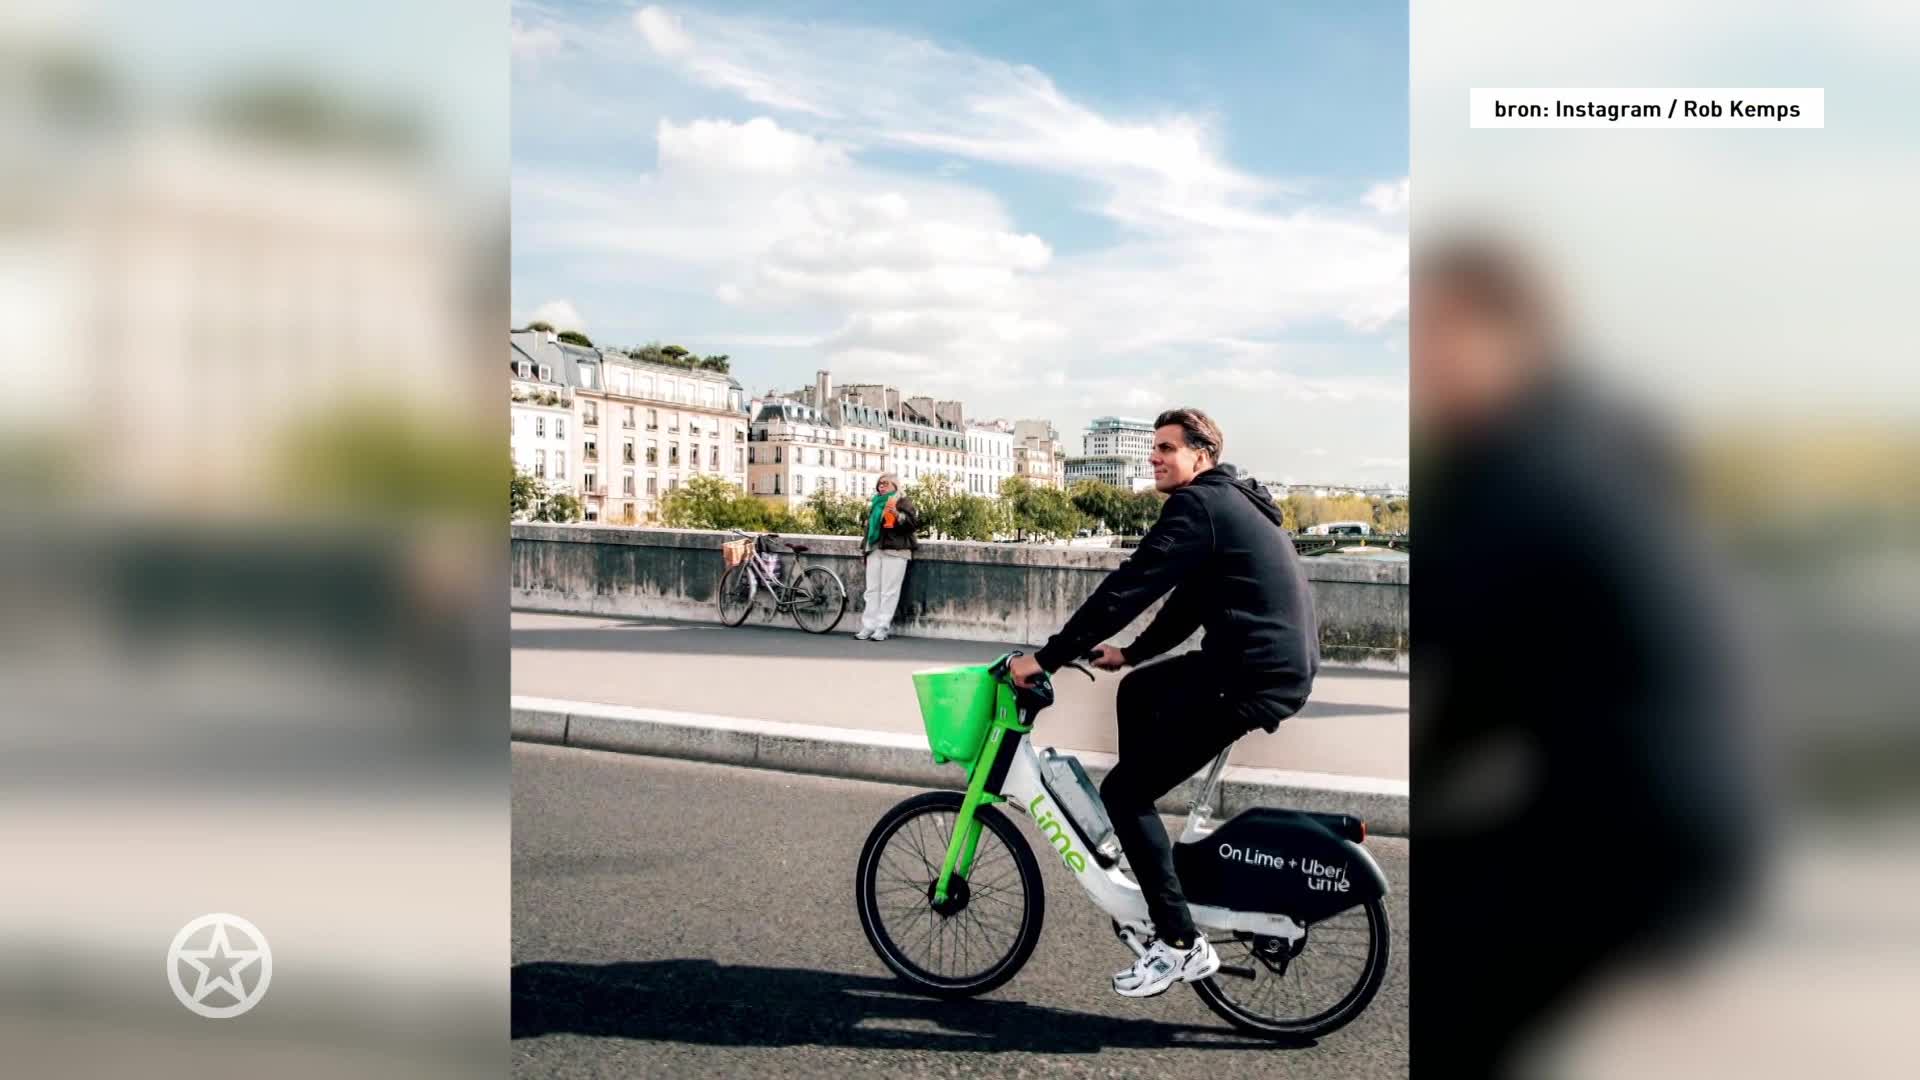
[[673, 483], [776, 483], [559, 464], [739, 435], [539, 427], [646, 386], [540, 464], [586, 377], [559, 427], [750, 456], [592, 450], [592, 415], [626, 451], [626, 484], [673, 454], [737, 463], [593, 513], [776, 456], [653, 419], [693, 456], [713, 458], [621, 384], [627, 420], [673, 427], [627, 513], [587, 480], [800, 484], [653, 485], [653, 453]]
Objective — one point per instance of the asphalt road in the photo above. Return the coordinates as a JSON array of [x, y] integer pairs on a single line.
[[680, 919]]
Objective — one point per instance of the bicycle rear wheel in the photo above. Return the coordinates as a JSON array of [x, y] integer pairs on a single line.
[[736, 594], [1271, 988], [819, 600], [987, 928]]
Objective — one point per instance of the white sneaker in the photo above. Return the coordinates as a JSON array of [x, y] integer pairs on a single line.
[[863, 635], [879, 635], [1163, 965]]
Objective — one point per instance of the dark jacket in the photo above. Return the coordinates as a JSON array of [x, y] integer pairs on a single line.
[[899, 538], [1232, 569]]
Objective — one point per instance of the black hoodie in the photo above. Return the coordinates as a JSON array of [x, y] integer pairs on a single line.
[[1220, 548]]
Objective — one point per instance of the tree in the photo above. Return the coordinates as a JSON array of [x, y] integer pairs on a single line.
[[575, 337], [1043, 511], [935, 498], [543, 327], [524, 493], [1139, 511], [1289, 516], [977, 518], [709, 502], [720, 363], [1096, 500], [838, 515], [560, 507], [531, 500]]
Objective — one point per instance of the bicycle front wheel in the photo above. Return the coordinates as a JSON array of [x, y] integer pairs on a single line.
[[985, 930], [819, 600], [736, 594]]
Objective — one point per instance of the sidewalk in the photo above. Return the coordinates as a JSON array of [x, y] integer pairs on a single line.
[[1355, 725], [775, 697]]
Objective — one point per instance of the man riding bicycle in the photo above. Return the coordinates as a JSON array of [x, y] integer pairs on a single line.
[[1219, 547]]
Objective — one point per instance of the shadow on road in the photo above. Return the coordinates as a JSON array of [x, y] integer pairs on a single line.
[[700, 1001]]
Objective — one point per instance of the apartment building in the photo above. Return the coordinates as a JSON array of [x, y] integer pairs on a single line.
[[540, 417], [643, 428], [989, 456]]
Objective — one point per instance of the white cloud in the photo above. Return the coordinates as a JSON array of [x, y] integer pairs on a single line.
[[757, 146], [790, 220], [561, 314], [1389, 198], [1378, 464], [663, 31], [1318, 451]]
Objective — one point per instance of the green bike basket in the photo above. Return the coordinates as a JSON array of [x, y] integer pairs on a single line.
[[956, 704]]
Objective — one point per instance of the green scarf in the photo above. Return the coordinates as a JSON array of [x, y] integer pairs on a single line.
[[873, 518]]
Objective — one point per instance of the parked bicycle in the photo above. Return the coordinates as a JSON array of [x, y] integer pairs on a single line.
[[949, 895], [815, 596]]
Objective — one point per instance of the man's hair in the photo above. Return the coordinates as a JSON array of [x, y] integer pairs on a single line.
[[1199, 430]]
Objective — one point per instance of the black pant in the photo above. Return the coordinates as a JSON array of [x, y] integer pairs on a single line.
[[1174, 717]]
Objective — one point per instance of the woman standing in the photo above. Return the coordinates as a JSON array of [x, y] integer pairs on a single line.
[[891, 520]]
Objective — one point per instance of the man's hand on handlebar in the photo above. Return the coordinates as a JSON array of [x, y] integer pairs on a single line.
[[1025, 672], [1107, 658]]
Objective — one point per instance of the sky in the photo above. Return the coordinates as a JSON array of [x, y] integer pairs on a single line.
[[1042, 210]]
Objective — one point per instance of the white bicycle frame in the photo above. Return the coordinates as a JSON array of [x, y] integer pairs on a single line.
[[1113, 891]]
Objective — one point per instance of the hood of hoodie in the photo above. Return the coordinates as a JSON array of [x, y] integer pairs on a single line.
[[1225, 475]]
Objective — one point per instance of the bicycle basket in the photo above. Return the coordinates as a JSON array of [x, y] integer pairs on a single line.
[[735, 552], [956, 704]]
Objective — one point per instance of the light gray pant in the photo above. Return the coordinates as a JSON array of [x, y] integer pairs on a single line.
[[886, 570]]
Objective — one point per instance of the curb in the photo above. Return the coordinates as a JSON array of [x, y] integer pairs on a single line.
[[897, 758]]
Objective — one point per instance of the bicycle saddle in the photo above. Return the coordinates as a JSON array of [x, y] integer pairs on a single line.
[[798, 549]]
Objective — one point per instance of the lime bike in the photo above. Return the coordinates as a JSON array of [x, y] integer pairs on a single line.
[[814, 596], [949, 893]]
